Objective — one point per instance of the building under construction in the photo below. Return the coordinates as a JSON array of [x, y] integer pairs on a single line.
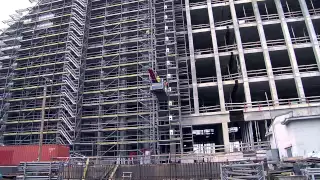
[[224, 69]]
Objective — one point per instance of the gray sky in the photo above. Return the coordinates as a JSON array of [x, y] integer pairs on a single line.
[[8, 7]]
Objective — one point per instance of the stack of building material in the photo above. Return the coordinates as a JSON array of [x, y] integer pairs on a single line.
[[39, 170], [254, 171]]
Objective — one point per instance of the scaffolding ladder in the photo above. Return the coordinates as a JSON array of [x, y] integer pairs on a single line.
[[169, 112], [71, 89]]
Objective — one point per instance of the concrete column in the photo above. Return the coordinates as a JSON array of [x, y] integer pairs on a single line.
[[192, 60], [225, 133], [292, 56], [251, 139], [311, 31], [241, 54], [266, 55], [216, 57], [247, 137]]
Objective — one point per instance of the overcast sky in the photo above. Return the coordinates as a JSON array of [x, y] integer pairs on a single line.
[[8, 7]]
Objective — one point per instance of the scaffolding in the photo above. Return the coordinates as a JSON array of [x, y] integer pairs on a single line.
[[92, 59], [118, 108], [240, 60], [9, 44], [221, 63], [50, 53], [169, 112], [184, 75]]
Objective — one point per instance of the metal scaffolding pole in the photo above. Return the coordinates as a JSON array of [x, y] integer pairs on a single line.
[[42, 121]]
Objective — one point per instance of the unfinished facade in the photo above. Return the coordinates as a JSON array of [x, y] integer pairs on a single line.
[[231, 66]]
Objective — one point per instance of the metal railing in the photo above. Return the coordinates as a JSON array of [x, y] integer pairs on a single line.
[[66, 92], [71, 71], [67, 107], [114, 97], [227, 48], [207, 79], [70, 88], [203, 51], [246, 19], [114, 61], [314, 12], [66, 120], [231, 151], [224, 23], [271, 103], [293, 14], [71, 83], [198, 3], [114, 12], [73, 60], [65, 134], [206, 109], [257, 44]]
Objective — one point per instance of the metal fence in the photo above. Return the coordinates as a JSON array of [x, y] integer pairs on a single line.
[[81, 172], [195, 171]]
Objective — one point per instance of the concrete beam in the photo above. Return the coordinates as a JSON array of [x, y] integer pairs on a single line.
[[192, 59], [292, 56], [311, 31], [206, 119], [297, 112], [266, 55], [241, 54], [216, 56]]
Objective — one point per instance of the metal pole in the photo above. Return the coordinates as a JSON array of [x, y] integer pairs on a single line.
[[42, 120]]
